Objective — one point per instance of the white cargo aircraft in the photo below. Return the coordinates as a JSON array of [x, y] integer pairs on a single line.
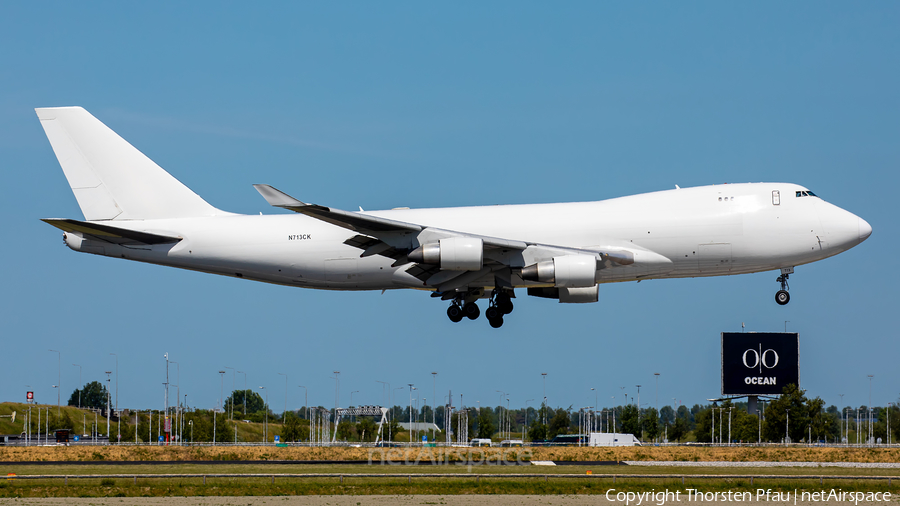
[[135, 210]]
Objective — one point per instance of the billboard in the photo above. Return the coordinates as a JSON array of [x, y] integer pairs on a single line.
[[759, 363]]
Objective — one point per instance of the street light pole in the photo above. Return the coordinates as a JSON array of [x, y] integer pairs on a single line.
[[433, 399], [59, 378], [221, 401], [117, 381], [246, 392], [177, 400], [842, 416], [410, 413], [657, 392], [80, 387], [353, 419], [869, 431], [305, 400], [639, 412], [544, 405], [232, 395], [167, 394], [284, 413], [107, 405], [266, 422]]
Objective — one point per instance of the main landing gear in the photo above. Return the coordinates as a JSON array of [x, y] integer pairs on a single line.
[[500, 304], [459, 310], [782, 296]]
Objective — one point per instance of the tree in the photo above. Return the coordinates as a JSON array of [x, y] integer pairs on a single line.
[[486, 426], [254, 401], [224, 430], [93, 395], [559, 424], [790, 411], [367, 429], [390, 429], [650, 422], [667, 415], [629, 420], [703, 425], [537, 431], [678, 430], [295, 429]]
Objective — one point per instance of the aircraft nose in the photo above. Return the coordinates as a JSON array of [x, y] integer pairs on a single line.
[[865, 230]]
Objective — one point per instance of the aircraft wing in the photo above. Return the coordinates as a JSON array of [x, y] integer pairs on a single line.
[[111, 234], [352, 221], [382, 236], [359, 222]]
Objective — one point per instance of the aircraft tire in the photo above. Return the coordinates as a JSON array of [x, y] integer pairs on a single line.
[[492, 313], [471, 311], [782, 297], [496, 322], [455, 313], [505, 306]]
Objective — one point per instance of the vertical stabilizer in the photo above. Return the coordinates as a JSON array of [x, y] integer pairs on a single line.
[[111, 179]]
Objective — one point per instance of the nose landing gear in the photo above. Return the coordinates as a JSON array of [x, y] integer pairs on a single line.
[[782, 296]]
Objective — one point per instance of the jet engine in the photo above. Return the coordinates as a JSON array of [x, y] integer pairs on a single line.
[[452, 254], [575, 271]]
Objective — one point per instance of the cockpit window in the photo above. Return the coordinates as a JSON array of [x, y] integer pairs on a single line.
[[805, 193]]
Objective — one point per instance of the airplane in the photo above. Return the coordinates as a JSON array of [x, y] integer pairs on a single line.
[[135, 210]]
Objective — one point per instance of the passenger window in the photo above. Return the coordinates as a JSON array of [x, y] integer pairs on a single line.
[[776, 197]]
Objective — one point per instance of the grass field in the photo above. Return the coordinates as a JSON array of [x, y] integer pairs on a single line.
[[413, 480], [268, 453]]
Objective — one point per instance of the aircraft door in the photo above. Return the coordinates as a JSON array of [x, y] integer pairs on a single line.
[[714, 257]]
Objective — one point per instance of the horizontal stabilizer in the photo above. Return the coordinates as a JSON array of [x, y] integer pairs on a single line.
[[112, 234]]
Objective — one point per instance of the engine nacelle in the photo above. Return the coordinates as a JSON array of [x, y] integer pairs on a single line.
[[575, 271], [579, 295], [452, 254], [568, 295]]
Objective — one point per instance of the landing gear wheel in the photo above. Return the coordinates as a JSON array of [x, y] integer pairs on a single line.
[[493, 313], [496, 322], [471, 311], [782, 297], [454, 312]]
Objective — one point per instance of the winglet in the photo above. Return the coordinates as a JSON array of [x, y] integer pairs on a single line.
[[277, 198]]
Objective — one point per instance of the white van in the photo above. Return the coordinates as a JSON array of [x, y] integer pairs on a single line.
[[607, 439], [481, 442]]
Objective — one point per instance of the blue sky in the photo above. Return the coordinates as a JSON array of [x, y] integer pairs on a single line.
[[405, 104]]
